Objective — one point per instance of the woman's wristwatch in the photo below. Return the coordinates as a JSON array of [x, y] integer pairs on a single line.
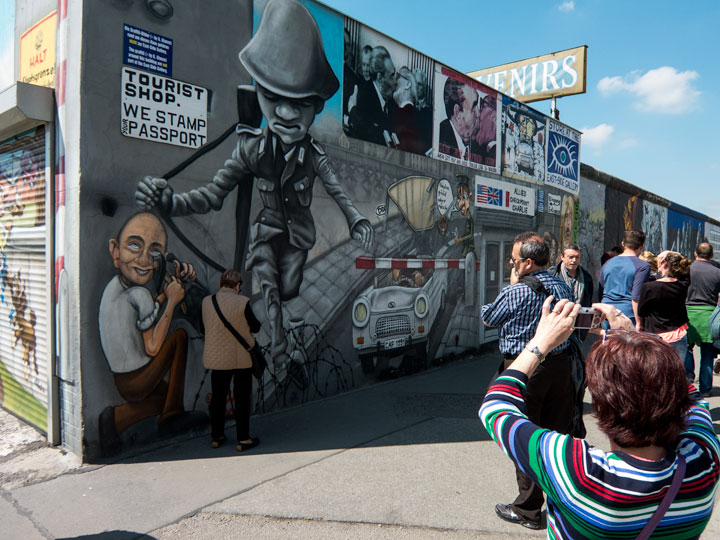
[[535, 351]]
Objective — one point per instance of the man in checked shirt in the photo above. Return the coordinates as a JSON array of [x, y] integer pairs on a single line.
[[550, 391]]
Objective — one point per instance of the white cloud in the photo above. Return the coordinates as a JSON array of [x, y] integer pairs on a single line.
[[596, 137], [567, 6], [628, 142], [664, 90]]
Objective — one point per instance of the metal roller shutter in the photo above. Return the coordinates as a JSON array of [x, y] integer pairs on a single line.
[[24, 280]]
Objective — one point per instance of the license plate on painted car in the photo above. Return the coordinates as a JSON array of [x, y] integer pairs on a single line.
[[394, 343]]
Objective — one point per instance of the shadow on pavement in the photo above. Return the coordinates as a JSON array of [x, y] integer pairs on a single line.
[[111, 535], [431, 407]]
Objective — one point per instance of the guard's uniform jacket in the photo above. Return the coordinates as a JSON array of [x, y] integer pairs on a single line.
[[285, 182], [284, 230], [468, 237]]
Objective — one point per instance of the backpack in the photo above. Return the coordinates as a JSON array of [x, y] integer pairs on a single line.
[[714, 324]]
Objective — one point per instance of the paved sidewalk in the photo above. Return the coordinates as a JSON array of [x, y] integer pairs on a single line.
[[407, 458]]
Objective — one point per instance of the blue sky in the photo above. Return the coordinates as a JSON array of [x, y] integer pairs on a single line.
[[7, 49], [649, 115]]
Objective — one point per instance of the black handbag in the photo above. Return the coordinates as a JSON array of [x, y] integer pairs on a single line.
[[259, 363]]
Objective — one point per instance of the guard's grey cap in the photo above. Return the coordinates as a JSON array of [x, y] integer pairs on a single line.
[[286, 55]]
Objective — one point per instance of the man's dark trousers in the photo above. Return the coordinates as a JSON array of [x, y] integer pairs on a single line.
[[550, 402]]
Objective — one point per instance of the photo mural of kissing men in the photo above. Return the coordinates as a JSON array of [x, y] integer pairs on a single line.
[[293, 79], [387, 91], [466, 121]]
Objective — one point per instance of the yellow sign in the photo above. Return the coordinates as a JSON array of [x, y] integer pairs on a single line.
[[37, 52], [561, 73]]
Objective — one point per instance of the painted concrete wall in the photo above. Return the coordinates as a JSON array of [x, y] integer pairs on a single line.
[[69, 274], [380, 202], [207, 37], [366, 247]]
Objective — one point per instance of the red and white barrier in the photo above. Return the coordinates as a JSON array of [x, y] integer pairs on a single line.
[[372, 263]]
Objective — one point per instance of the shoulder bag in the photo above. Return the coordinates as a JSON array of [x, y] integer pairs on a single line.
[[259, 363], [666, 502]]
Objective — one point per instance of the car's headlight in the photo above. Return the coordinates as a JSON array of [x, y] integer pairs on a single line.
[[360, 313], [421, 305]]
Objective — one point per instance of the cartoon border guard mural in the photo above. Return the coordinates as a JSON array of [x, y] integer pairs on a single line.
[[293, 80]]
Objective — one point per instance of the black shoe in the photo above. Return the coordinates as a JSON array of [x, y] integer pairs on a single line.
[[241, 447], [505, 511], [217, 442]]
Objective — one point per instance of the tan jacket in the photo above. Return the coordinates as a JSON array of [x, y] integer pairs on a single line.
[[222, 350]]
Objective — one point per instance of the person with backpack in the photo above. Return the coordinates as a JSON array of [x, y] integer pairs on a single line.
[[702, 298], [550, 391]]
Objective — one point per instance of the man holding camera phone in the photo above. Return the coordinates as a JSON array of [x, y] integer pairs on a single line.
[[550, 391]]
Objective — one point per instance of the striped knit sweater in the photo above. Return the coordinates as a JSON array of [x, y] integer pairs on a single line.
[[605, 495]]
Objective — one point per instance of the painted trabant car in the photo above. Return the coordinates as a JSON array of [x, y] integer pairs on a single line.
[[396, 313]]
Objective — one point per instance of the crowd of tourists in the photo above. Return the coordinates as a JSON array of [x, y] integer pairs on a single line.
[[660, 474]]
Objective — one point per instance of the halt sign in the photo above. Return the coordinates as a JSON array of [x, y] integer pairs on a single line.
[[161, 109]]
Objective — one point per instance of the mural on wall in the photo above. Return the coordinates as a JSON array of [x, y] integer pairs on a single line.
[[465, 120], [712, 233], [360, 262], [387, 91], [683, 232], [22, 239], [403, 317], [569, 215], [591, 225], [654, 225], [623, 212], [523, 132], [292, 84], [464, 204], [327, 126], [135, 317]]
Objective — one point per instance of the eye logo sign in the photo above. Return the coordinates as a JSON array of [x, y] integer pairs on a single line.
[[563, 158]]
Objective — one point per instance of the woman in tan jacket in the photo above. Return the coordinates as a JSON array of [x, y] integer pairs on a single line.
[[228, 359]]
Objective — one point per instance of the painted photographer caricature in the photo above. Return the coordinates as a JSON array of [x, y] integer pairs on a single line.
[[293, 80], [135, 328]]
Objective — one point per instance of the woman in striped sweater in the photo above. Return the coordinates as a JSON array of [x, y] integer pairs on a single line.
[[651, 418]]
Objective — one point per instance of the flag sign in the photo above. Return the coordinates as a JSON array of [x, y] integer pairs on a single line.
[[498, 195]]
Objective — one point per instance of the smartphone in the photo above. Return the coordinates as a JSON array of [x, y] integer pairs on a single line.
[[588, 318]]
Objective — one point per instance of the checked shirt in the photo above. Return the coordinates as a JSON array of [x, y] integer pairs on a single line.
[[517, 309]]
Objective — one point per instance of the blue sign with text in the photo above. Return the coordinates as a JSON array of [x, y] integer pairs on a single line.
[[146, 50]]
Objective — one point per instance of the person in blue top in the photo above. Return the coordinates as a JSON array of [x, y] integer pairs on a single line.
[[622, 277]]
